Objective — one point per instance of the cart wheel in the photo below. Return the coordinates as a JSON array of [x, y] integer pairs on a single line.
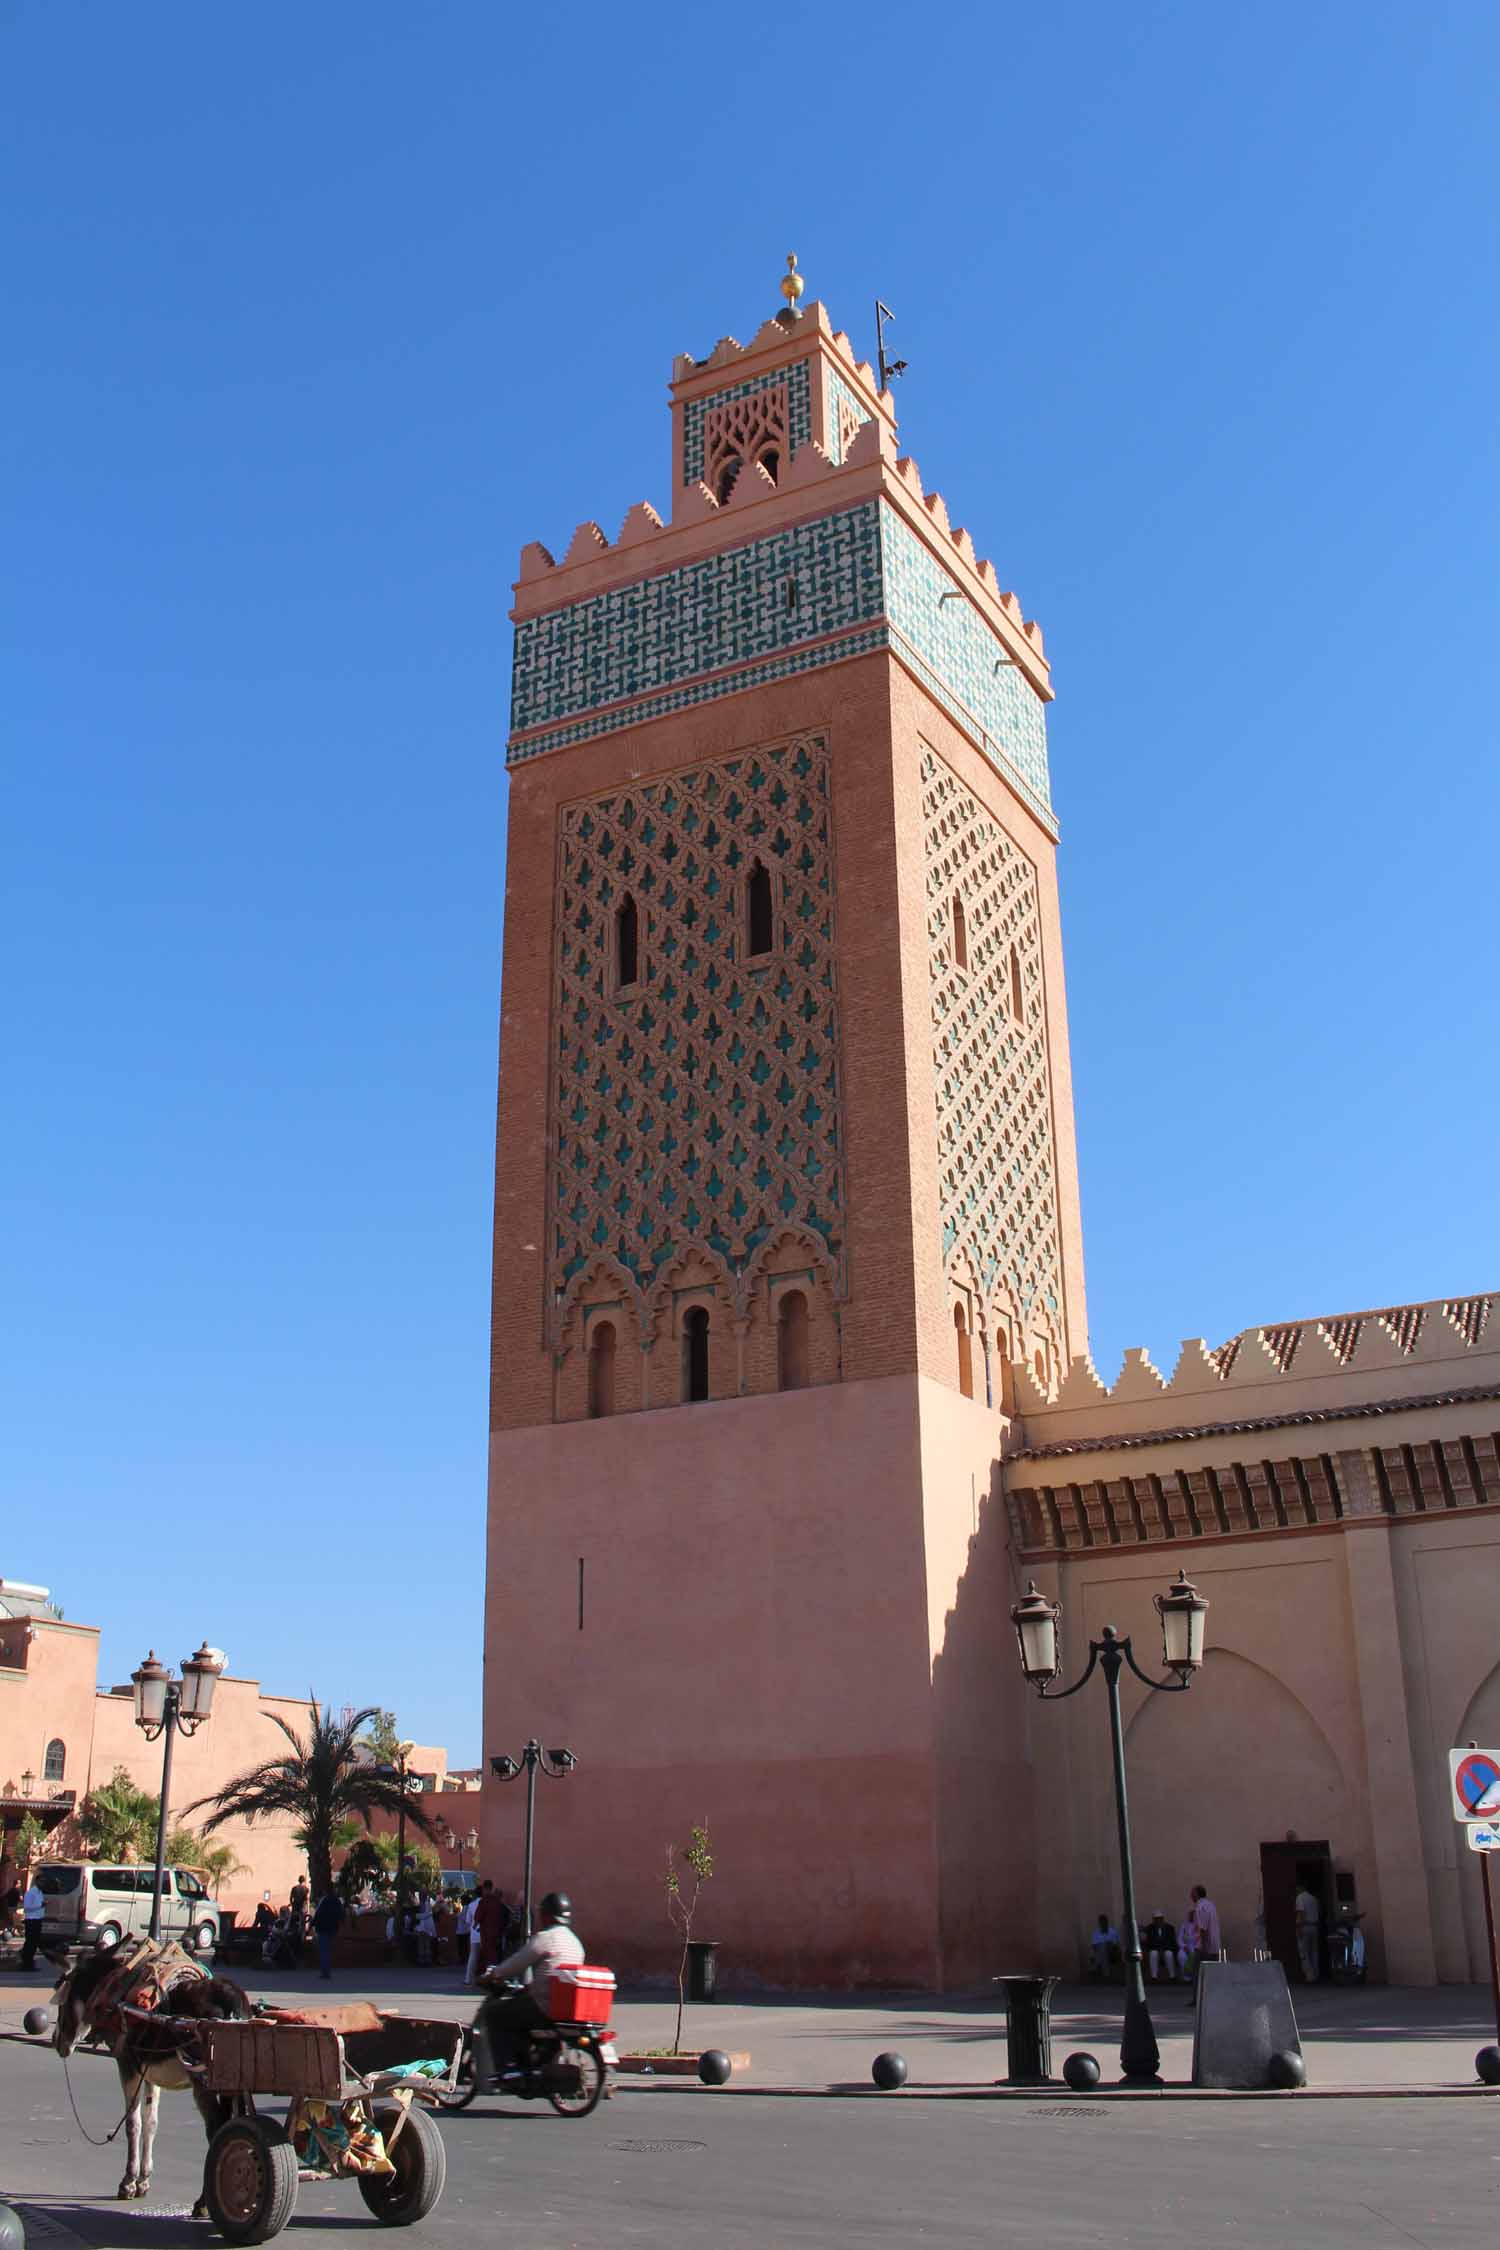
[[588, 2067], [466, 2087], [250, 2179], [400, 2198]]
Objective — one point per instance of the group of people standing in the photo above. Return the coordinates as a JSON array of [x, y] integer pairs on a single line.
[[1170, 1951]]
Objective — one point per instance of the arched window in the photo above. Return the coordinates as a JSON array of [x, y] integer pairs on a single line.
[[1039, 1362], [760, 919], [695, 1354], [770, 461], [725, 482], [627, 942], [602, 1369], [791, 1342], [960, 935], [1017, 999], [965, 1351], [54, 1765]]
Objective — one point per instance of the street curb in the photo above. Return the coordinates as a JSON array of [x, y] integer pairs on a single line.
[[1059, 2095]]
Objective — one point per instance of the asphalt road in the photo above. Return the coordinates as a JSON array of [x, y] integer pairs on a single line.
[[722, 2172]]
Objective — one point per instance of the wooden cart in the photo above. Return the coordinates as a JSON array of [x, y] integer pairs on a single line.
[[341, 2076]]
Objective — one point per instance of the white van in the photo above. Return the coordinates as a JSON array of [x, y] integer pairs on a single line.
[[92, 1905]]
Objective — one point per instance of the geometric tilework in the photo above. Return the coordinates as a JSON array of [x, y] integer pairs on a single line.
[[732, 606], [844, 417], [996, 1180], [799, 413], [792, 601], [699, 1105], [959, 648]]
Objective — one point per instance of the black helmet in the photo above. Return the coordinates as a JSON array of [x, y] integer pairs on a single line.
[[557, 1907]]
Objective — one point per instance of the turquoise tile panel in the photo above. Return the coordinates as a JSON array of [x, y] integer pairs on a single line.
[[798, 412]]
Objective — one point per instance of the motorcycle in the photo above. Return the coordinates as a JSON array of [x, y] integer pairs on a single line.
[[566, 2064]]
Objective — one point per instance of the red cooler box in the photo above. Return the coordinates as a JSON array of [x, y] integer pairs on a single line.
[[581, 1995]]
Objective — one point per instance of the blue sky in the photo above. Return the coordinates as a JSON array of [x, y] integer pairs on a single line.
[[316, 315]]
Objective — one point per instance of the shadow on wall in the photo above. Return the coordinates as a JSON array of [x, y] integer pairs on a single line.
[[1236, 1762], [986, 1817]]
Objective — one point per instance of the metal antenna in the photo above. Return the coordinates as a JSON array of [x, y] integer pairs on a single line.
[[889, 368]]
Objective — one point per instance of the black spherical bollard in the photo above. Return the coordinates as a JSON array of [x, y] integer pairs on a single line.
[[714, 2067], [1287, 2070], [1487, 2063], [37, 2021], [1081, 2072], [889, 2071], [12, 2233]]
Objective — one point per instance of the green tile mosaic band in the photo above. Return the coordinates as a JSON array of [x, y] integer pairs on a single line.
[[812, 595]]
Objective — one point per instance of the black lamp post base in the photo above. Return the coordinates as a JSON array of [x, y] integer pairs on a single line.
[[1140, 2057]]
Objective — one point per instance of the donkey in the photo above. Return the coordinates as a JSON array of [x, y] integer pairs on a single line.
[[89, 2003]]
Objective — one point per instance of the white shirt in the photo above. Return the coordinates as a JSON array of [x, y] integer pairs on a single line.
[[557, 1948], [34, 1905], [1308, 1909]]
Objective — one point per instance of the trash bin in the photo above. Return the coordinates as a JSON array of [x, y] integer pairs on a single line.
[[702, 1968], [1028, 2029]]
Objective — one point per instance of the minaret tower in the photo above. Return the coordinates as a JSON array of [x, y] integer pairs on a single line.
[[786, 1196]]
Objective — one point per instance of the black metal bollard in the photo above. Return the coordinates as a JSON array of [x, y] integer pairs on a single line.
[[703, 1973], [1028, 2029]]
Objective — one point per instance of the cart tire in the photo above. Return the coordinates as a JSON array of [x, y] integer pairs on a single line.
[[593, 2077], [400, 2198], [465, 2089], [250, 2179]]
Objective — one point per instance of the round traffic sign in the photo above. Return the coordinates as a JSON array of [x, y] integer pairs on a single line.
[[1475, 1778]]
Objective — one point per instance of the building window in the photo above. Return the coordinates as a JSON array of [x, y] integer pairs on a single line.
[[1017, 1001], [602, 1369], [770, 461], [760, 920], [791, 1342], [627, 942], [55, 1763], [965, 1344], [725, 481], [695, 1355], [960, 935]]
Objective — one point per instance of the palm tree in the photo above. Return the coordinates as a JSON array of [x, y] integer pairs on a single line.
[[118, 1820], [320, 1781]]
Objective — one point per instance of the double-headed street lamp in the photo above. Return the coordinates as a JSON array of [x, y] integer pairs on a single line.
[[1182, 1610], [458, 1843], [556, 1765], [163, 1706]]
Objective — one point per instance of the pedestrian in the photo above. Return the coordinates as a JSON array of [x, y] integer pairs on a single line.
[[1309, 1915], [1187, 1945], [466, 1943], [327, 1921], [1206, 1922], [298, 1904], [1104, 1946], [492, 1920], [426, 1931], [1161, 1948], [33, 1907], [10, 1900]]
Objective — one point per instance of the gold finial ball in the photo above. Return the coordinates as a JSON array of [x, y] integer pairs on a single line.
[[792, 283]]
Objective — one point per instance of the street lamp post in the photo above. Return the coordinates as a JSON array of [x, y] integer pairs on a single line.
[[556, 1765], [1182, 1610], [459, 1843], [163, 1707]]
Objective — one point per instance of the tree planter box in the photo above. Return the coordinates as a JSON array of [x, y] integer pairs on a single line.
[[674, 2066]]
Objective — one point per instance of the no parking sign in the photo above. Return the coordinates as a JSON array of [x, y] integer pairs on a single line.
[[1475, 1775]]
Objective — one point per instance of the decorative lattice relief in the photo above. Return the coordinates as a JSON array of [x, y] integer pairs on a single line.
[[738, 431], [996, 1174], [697, 1109]]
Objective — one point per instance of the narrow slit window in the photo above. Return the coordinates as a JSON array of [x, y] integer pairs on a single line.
[[960, 935], [789, 594], [965, 1343], [695, 1355], [791, 1342], [725, 481], [627, 942], [760, 919], [602, 1370], [1017, 999]]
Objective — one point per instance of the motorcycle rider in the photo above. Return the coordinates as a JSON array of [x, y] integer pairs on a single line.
[[504, 2018]]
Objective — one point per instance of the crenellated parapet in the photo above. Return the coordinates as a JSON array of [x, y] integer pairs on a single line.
[[799, 536], [1340, 1363]]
